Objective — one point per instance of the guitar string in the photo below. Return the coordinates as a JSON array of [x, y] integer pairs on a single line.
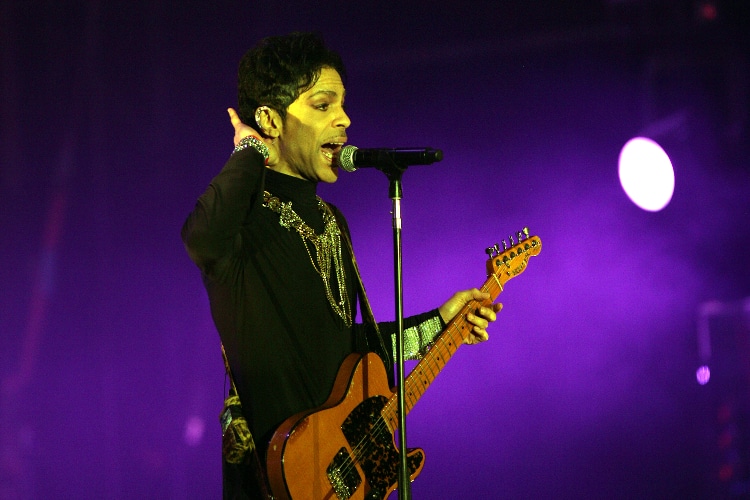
[[361, 448]]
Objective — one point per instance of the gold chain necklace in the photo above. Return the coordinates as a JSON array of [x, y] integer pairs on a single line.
[[327, 249]]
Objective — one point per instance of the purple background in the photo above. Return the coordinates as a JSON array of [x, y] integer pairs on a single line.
[[113, 122]]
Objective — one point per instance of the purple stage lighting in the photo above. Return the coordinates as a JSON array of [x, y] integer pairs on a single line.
[[646, 174], [703, 375]]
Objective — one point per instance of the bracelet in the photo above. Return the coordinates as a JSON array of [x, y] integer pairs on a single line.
[[255, 143]]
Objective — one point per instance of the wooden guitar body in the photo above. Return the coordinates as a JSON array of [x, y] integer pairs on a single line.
[[345, 448]]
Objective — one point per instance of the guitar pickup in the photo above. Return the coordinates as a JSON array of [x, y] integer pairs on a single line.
[[343, 475]]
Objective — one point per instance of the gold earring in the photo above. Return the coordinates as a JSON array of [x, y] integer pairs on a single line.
[[257, 115]]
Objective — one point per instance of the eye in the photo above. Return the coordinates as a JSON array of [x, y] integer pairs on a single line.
[[322, 106]]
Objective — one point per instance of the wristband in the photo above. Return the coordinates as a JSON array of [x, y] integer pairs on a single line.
[[255, 143]]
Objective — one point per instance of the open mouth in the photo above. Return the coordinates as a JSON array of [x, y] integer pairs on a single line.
[[331, 149]]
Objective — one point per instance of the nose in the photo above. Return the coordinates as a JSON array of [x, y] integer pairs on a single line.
[[342, 120]]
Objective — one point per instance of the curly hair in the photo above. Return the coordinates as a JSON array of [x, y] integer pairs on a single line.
[[277, 70]]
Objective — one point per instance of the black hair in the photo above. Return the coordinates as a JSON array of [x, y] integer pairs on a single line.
[[277, 70]]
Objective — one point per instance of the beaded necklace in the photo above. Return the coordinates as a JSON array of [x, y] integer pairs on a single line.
[[327, 249]]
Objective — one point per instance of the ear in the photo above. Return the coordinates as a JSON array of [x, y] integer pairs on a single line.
[[269, 122]]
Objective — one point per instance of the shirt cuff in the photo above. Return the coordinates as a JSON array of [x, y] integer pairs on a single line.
[[418, 338]]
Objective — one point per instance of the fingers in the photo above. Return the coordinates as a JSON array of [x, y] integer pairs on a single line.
[[240, 129], [477, 335], [234, 118], [481, 336], [485, 310], [477, 294], [481, 319], [485, 314]]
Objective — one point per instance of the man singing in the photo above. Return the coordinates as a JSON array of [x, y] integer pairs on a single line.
[[275, 258]]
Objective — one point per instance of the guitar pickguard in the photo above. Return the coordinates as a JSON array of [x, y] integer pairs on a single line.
[[372, 446]]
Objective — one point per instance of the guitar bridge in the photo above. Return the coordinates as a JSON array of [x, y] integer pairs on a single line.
[[343, 475]]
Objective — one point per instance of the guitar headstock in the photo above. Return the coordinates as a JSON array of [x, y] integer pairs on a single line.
[[509, 262]]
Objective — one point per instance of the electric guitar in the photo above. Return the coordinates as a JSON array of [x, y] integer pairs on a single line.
[[345, 449]]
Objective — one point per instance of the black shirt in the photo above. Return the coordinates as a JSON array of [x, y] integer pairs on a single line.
[[283, 340]]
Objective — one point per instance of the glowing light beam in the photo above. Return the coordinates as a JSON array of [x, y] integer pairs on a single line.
[[646, 174]]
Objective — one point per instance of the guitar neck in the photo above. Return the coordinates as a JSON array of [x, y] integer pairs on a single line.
[[443, 348], [501, 267]]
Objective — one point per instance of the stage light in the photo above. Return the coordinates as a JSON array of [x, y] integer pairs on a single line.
[[646, 174], [195, 428], [703, 375], [707, 12]]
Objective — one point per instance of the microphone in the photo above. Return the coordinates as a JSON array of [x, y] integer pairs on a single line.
[[350, 158]]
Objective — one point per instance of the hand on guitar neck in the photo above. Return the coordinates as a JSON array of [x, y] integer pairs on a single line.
[[484, 314]]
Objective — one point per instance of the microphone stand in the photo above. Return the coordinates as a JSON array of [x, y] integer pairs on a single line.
[[395, 193], [394, 168]]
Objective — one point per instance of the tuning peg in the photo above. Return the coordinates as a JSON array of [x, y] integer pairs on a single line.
[[511, 240], [505, 246], [519, 236], [526, 231], [489, 251]]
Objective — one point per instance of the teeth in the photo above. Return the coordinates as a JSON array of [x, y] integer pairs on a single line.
[[330, 146]]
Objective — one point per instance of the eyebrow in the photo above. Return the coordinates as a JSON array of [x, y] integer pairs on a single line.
[[331, 93]]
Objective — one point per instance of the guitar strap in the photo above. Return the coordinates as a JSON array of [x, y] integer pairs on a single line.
[[240, 438], [367, 316]]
